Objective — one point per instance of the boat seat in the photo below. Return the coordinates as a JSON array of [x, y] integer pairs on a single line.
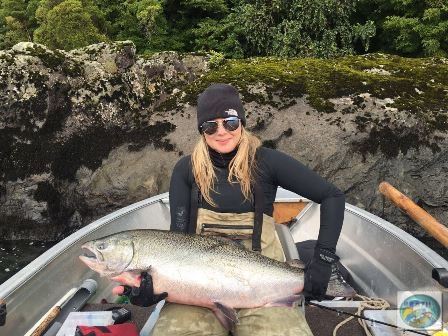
[[287, 241]]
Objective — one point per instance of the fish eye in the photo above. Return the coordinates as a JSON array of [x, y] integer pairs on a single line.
[[101, 246]]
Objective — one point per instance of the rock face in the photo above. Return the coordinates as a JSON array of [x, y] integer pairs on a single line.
[[86, 132]]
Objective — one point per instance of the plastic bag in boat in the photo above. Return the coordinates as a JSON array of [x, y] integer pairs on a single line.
[[128, 329]]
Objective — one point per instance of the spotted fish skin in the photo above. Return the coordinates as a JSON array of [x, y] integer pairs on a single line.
[[197, 270]]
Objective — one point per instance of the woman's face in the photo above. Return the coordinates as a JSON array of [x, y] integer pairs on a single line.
[[223, 141]]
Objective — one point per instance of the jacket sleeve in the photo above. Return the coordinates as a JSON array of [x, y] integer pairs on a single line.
[[296, 177], [180, 193]]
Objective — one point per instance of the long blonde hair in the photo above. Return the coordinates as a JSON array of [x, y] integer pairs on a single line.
[[241, 168]]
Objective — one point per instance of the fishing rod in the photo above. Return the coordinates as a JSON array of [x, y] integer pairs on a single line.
[[363, 317]]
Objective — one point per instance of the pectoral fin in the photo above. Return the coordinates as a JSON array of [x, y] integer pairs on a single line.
[[131, 278], [225, 315], [289, 301]]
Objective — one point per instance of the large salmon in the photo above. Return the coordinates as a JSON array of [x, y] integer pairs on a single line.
[[200, 270]]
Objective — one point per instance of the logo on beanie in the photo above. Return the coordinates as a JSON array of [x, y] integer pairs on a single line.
[[232, 112]]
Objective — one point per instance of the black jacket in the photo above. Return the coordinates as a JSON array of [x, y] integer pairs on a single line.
[[275, 169]]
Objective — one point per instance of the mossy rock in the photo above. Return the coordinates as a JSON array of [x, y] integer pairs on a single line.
[[418, 85]]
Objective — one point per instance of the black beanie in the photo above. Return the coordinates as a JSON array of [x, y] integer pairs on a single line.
[[220, 101]]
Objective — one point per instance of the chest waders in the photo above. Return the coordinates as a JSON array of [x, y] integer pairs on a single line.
[[253, 230]]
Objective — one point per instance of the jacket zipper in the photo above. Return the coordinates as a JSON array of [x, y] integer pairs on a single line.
[[225, 226]]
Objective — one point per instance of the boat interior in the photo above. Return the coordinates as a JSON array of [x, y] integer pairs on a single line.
[[377, 259]]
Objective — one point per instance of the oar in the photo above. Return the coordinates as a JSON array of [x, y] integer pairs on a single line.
[[429, 223]]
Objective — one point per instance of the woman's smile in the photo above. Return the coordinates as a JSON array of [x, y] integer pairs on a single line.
[[223, 141]]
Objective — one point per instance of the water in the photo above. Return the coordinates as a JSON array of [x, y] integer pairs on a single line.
[[14, 255]]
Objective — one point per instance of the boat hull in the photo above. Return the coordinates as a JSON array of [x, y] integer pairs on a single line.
[[381, 258]]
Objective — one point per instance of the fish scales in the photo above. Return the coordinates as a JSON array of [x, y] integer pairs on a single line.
[[198, 270]]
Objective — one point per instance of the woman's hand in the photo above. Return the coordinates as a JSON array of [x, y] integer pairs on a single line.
[[317, 274], [126, 279], [138, 288]]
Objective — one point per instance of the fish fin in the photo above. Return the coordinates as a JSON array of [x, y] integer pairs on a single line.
[[288, 301], [296, 263], [226, 315], [130, 278]]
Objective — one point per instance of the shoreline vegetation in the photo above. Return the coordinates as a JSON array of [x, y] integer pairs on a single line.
[[233, 28]]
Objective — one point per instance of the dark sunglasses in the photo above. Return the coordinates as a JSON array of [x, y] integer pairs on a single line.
[[230, 124]]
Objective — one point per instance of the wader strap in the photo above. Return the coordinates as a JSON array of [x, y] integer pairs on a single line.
[[194, 205], [258, 218]]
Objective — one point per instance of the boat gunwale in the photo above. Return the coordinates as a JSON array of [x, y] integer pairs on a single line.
[[413, 243], [424, 251], [25, 274]]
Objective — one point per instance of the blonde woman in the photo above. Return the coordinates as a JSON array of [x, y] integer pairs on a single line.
[[227, 186]]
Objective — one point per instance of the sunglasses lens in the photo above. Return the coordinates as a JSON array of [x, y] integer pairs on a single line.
[[231, 124], [209, 127]]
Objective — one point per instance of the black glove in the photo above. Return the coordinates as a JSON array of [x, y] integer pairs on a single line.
[[317, 274], [144, 295]]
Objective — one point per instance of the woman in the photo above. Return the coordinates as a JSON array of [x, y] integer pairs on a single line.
[[228, 187]]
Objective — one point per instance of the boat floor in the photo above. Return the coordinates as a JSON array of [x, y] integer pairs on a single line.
[[322, 322]]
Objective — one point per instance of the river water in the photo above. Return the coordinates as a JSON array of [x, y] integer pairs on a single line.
[[14, 255]]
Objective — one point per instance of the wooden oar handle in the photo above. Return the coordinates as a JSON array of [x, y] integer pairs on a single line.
[[429, 223], [47, 321]]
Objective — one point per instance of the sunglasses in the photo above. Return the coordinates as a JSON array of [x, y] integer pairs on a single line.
[[229, 124]]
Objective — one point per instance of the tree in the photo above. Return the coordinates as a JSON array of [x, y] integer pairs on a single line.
[[17, 21], [187, 20], [304, 28], [223, 36], [67, 25], [141, 21], [409, 27]]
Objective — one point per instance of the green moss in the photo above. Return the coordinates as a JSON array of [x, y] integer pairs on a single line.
[[51, 59], [122, 45], [419, 86], [7, 57]]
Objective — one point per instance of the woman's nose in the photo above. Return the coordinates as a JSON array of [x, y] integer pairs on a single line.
[[221, 129]]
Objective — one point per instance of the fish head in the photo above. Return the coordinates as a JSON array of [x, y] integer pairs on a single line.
[[108, 256]]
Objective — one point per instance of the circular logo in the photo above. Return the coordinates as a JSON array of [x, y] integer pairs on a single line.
[[420, 311]]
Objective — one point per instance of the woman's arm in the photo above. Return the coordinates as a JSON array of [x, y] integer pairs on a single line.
[[180, 193], [296, 177]]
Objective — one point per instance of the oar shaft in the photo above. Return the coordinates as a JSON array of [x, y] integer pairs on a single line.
[[429, 223]]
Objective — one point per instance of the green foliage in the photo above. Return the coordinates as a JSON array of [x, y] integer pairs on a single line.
[[213, 7], [146, 12], [305, 28], [409, 27], [188, 22], [220, 36], [67, 25], [17, 21], [141, 21], [234, 28], [216, 59]]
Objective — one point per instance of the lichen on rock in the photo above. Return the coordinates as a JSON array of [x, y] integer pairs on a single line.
[[103, 126]]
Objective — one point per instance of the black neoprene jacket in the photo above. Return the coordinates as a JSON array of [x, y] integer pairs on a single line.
[[275, 169]]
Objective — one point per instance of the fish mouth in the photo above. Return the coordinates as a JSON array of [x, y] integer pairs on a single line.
[[90, 255]]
